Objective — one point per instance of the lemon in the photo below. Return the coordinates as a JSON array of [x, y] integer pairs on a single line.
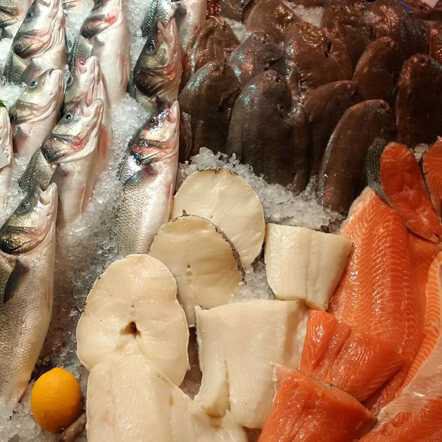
[[56, 400]]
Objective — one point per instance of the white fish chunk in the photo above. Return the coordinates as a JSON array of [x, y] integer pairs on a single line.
[[239, 344], [305, 264]]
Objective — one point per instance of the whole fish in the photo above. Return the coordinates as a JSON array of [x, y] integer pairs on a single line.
[[73, 147], [41, 39], [12, 14], [27, 243], [6, 157], [190, 17], [87, 84], [148, 179], [107, 31], [36, 112], [157, 73]]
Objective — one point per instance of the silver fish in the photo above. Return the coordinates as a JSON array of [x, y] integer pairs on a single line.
[[41, 39], [148, 178], [106, 30], [12, 14], [73, 147], [190, 17], [36, 112], [158, 71], [157, 11], [6, 156], [27, 244]]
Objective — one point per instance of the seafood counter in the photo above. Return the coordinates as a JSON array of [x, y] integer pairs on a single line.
[[220, 220]]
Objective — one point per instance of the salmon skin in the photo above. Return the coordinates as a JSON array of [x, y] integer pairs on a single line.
[[355, 362], [305, 410], [432, 168], [394, 173], [377, 293]]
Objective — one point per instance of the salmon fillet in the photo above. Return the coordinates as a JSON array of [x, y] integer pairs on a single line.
[[353, 361], [432, 168], [305, 410], [404, 188], [377, 293]]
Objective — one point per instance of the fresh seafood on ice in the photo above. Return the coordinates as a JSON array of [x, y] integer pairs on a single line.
[[203, 261], [159, 410], [74, 148], [157, 73], [148, 179], [147, 319], [27, 240], [232, 205], [104, 34], [40, 40], [239, 344], [36, 112], [6, 155], [304, 264]]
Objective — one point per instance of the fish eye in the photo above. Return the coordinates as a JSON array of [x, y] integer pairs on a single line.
[[68, 116], [33, 84]]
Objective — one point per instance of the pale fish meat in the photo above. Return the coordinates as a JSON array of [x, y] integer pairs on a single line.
[[73, 147], [6, 156], [27, 244], [106, 30], [12, 14], [41, 39], [36, 112], [148, 179], [158, 71]]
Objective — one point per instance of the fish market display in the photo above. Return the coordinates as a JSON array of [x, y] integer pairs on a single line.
[[223, 217]]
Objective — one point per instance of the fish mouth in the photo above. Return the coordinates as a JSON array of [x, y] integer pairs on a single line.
[[31, 222], [57, 147], [96, 24], [29, 43]]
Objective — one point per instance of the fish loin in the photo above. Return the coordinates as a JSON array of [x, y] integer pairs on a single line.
[[25, 316], [432, 167], [148, 180]]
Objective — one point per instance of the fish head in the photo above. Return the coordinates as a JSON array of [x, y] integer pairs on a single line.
[[5, 139], [104, 14], [85, 82], [30, 223], [9, 12], [76, 134], [42, 92], [158, 139], [36, 30]]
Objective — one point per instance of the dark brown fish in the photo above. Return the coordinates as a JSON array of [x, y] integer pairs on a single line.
[[259, 132], [214, 42], [234, 9], [185, 137], [388, 18], [345, 20], [419, 101], [270, 16], [313, 58], [342, 173], [208, 98], [256, 53], [378, 70], [324, 108], [435, 41]]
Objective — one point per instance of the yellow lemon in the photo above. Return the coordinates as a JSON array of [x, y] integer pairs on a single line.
[[56, 400]]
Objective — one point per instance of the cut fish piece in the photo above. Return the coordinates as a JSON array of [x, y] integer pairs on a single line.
[[377, 293], [202, 259], [127, 400], [355, 362], [432, 167], [232, 205], [304, 264], [394, 173], [238, 345], [132, 308], [305, 410]]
